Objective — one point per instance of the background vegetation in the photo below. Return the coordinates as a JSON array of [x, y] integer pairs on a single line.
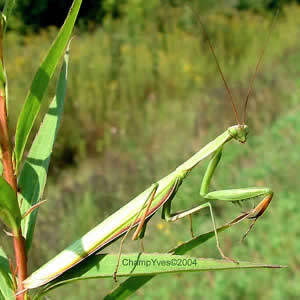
[[143, 95]]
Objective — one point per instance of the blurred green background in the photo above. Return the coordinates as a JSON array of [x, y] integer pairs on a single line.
[[144, 94]]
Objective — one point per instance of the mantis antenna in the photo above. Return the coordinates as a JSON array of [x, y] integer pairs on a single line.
[[198, 19], [258, 64]]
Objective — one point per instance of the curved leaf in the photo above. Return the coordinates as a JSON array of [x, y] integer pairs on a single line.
[[9, 209], [33, 175], [40, 83]]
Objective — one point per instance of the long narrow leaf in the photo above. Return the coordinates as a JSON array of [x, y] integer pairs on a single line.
[[34, 172], [40, 83], [9, 209], [49, 271], [103, 265], [132, 284], [6, 284], [150, 264]]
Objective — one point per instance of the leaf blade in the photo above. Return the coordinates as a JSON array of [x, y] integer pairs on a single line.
[[33, 175], [40, 83], [7, 10], [9, 209], [141, 264], [129, 286]]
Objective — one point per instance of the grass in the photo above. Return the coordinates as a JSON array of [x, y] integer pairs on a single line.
[[140, 103]]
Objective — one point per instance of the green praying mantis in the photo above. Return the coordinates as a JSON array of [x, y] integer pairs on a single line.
[[139, 211]]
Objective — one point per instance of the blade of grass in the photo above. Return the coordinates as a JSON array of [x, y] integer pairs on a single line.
[[33, 175], [40, 83]]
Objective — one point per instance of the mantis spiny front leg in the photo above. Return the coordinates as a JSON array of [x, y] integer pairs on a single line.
[[225, 195]]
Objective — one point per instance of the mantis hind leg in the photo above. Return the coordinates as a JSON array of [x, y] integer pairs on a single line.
[[140, 231]]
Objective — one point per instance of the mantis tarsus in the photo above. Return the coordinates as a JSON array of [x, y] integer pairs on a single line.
[[139, 211]]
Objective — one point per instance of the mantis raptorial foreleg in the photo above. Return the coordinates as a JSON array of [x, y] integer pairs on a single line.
[[171, 217], [225, 195], [234, 194]]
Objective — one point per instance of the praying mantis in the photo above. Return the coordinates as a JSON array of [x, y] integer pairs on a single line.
[[139, 211]]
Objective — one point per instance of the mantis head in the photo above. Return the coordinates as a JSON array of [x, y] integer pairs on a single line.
[[239, 132]]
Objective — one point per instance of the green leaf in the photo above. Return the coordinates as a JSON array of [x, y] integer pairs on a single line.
[[7, 10], [33, 176], [40, 83], [2, 70], [103, 265], [6, 284], [141, 264], [2, 76], [132, 284], [8, 7], [9, 209]]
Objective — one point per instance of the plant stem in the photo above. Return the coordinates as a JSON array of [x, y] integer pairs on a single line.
[[21, 262], [10, 177], [8, 170]]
